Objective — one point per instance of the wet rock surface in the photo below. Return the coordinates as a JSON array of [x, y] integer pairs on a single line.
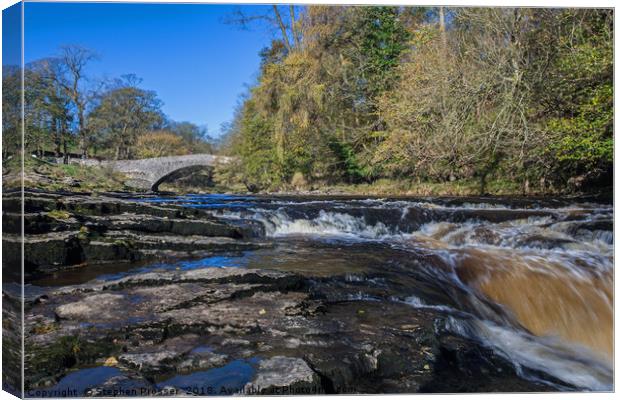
[[357, 319], [64, 231], [285, 375], [154, 326]]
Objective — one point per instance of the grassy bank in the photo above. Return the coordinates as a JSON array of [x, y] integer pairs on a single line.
[[387, 187], [39, 174], [382, 187]]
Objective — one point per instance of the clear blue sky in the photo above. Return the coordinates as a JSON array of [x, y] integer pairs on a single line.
[[197, 64], [11, 35]]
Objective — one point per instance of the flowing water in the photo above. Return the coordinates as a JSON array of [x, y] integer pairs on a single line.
[[532, 279]]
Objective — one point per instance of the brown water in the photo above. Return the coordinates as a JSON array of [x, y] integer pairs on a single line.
[[553, 283], [545, 298]]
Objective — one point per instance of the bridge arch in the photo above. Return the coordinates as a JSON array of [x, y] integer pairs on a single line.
[[149, 173], [177, 173]]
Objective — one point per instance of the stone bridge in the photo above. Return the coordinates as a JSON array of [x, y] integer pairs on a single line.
[[149, 173]]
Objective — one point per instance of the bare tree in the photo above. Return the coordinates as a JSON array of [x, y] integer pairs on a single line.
[[73, 60], [442, 26], [287, 42], [281, 20], [294, 27], [58, 103]]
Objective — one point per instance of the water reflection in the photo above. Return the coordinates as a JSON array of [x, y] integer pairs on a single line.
[[227, 380], [78, 383]]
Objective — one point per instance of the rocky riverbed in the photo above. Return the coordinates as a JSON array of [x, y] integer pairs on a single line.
[[73, 230], [114, 306]]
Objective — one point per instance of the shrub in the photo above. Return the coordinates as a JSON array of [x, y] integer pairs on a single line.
[[298, 181], [160, 144]]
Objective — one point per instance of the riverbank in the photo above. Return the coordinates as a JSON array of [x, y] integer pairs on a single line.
[[392, 190], [143, 294], [453, 189], [42, 175], [46, 176]]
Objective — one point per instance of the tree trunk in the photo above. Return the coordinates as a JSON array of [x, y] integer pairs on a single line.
[[82, 134], [287, 43], [280, 147], [442, 27], [57, 138], [65, 157], [294, 28], [443, 85], [526, 187]]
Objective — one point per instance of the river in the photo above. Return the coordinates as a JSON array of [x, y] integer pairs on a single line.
[[530, 279]]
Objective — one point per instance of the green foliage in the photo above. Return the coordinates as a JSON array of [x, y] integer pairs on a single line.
[[194, 137], [123, 114], [382, 38], [11, 112], [260, 166], [353, 171], [366, 94], [586, 138], [581, 112], [519, 95]]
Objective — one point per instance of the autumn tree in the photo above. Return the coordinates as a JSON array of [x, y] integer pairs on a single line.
[[159, 144], [318, 102]]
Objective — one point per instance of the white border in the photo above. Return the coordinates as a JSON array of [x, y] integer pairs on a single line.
[[456, 3], [488, 3]]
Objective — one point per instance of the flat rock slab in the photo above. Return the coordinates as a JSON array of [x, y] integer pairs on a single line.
[[204, 275], [102, 306], [149, 361], [285, 376], [211, 296], [261, 311], [156, 224]]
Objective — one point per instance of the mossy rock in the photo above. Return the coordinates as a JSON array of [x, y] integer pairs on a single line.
[[59, 214], [54, 359]]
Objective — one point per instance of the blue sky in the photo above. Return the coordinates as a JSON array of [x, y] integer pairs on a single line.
[[11, 35], [197, 64]]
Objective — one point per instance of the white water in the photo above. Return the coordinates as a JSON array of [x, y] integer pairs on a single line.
[[568, 362], [328, 224], [551, 245]]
